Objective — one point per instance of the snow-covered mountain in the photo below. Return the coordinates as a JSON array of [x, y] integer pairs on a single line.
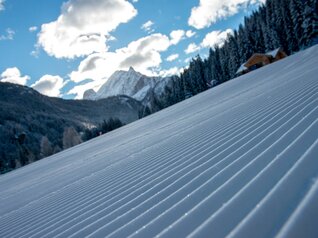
[[130, 83], [239, 160]]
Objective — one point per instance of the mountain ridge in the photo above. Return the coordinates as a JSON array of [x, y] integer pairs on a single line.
[[133, 84]]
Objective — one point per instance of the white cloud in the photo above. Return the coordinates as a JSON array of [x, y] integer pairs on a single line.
[[147, 26], [33, 28], [8, 36], [208, 11], [79, 90], [49, 85], [190, 33], [187, 60], [216, 38], [177, 36], [210, 40], [170, 72], [84, 27], [1, 5], [13, 75], [134, 0], [192, 48], [172, 57], [142, 54]]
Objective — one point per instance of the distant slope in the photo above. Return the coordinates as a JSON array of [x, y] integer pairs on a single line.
[[23, 110], [25, 100], [239, 160]]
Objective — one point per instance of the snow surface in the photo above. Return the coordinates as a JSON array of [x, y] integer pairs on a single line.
[[239, 160], [273, 53], [242, 68]]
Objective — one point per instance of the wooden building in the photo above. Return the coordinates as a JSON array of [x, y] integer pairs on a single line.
[[258, 60]]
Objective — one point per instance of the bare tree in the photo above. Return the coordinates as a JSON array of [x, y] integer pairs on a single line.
[[70, 138], [46, 147]]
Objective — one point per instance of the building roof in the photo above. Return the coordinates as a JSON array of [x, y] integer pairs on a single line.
[[241, 69], [273, 53], [245, 65], [257, 57]]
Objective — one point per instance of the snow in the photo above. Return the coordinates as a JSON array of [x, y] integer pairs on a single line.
[[238, 160], [130, 83], [241, 69], [273, 53], [142, 93]]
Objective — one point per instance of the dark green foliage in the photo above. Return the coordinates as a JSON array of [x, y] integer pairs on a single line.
[[290, 24], [26, 116], [32, 126], [310, 24], [103, 128]]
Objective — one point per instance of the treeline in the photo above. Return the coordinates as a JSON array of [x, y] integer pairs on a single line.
[[21, 145], [290, 24], [27, 136], [33, 126], [105, 127]]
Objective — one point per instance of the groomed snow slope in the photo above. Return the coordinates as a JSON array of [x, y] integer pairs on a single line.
[[239, 160]]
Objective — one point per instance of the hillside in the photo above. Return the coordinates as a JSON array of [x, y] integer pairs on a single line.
[[239, 160], [23, 110]]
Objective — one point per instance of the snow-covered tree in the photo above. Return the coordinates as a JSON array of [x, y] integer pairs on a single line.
[[296, 9], [310, 24]]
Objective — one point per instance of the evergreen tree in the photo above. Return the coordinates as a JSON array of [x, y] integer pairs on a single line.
[[271, 35], [310, 24], [233, 60], [280, 24], [296, 9], [291, 41]]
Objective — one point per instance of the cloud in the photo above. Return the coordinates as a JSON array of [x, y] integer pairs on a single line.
[[216, 38], [172, 57], [79, 90], [49, 85], [212, 39], [190, 33], [177, 36], [209, 12], [192, 48], [8, 36], [134, 0], [33, 28], [84, 27], [1, 5], [170, 72], [147, 26], [13, 75], [187, 60], [142, 54]]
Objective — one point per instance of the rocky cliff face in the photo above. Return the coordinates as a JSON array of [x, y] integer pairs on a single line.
[[133, 84]]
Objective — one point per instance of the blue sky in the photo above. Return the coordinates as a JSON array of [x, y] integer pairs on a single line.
[[62, 48]]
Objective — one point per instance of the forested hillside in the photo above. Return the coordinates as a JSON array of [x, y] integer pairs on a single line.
[[33, 126], [290, 24]]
